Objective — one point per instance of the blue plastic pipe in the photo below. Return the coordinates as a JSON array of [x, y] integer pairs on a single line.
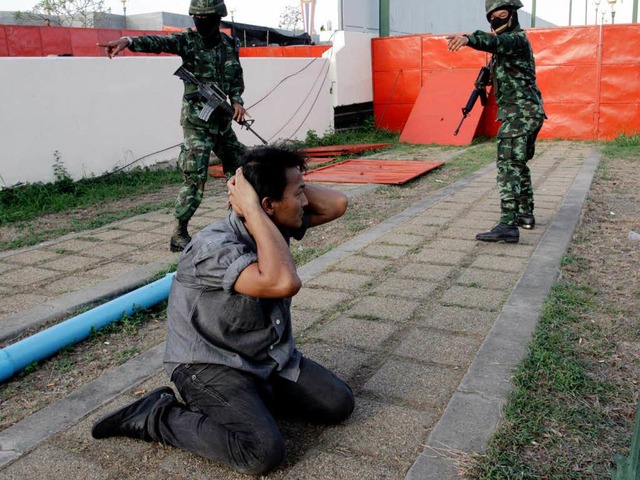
[[43, 344]]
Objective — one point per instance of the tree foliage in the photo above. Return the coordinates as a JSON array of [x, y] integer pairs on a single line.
[[291, 18], [66, 13]]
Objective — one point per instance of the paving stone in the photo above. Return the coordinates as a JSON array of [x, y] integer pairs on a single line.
[[406, 288], [425, 231], [151, 255], [460, 233], [318, 299], [492, 279], [74, 245], [143, 239], [344, 362], [33, 257], [479, 224], [439, 347], [393, 434], [321, 465], [112, 250], [19, 302], [532, 238], [301, 319], [428, 220], [138, 226], [501, 263], [26, 276], [358, 263], [425, 271], [396, 238], [364, 334], [161, 217], [112, 234], [8, 267], [484, 299], [413, 384], [385, 251], [453, 244], [340, 281], [71, 263], [455, 319], [396, 310], [506, 249], [70, 284], [111, 269], [473, 216], [440, 257]]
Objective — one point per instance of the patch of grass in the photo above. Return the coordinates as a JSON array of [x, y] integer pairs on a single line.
[[302, 254], [364, 134], [556, 404], [25, 202], [627, 146]]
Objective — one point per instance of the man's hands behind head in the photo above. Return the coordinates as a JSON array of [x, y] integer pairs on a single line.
[[242, 196]]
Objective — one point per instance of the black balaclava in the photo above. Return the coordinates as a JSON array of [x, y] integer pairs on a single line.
[[209, 28], [502, 25]]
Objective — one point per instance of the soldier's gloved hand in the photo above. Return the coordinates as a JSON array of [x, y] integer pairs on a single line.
[[114, 47], [456, 42], [239, 112]]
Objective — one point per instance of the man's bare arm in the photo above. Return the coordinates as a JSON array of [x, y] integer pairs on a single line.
[[325, 204], [274, 274]]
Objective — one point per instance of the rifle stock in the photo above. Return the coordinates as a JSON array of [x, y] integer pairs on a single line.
[[215, 98]]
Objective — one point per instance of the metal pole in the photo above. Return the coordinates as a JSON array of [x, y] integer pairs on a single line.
[[533, 14], [586, 7], [385, 23], [634, 18], [570, 10]]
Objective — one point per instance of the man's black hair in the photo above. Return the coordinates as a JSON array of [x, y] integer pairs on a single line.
[[265, 169]]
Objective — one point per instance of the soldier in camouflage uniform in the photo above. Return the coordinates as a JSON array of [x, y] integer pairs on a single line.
[[519, 109], [212, 57]]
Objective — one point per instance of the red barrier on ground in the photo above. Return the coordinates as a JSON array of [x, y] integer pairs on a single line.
[[435, 117], [338, 150], [389, 172], [26, 41], [589, 78]]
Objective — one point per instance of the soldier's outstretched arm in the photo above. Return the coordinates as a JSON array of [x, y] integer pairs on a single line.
[[114, 47]]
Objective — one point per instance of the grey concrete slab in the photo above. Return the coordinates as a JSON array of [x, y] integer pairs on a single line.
[[319, 299], [440, 257], [341, 281], [425, 271], [361, 264], [454, 319], [407, 288], [490, 300], [365, 334], [501, 263], [491, 279], [390, 309], [392, 252], [31, 257], [439, 347], [343, 361]]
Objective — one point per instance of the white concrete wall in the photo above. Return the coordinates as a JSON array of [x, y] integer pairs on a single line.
[[352, 80], [100, 114]]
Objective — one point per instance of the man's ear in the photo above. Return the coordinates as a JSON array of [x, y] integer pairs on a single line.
[[267, 205]]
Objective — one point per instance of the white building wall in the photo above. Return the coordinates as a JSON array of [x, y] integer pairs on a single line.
[[352, 78], [100, 114]]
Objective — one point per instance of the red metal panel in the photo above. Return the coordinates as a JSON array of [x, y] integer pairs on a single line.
[[83, 42], [436, 115], [396, 87], [620, 84], [394, 172], [570, 83], [396, 53], [571, 121], [618, 119], [4, 47], [338, 150], [564, 46], [621, 44], [436, 55], [24, 41], [392, 117], [56, 41]]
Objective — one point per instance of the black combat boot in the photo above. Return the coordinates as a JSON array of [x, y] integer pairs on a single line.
[[527, 221], [131, 421], [180, 238], [500, 233]]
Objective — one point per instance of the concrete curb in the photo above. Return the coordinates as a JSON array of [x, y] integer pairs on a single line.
[[475, 410]]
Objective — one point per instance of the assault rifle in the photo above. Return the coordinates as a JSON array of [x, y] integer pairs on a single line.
[[215, 98], [481, 84]]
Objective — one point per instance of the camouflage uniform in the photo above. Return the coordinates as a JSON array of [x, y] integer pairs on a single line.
[[219, 64], [519, 109]]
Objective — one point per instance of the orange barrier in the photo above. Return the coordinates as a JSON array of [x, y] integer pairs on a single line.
[[390, 172], [26, 41], [588, 77]]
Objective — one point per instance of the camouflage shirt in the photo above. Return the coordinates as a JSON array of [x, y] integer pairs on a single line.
[[514, 75], [219, 64]]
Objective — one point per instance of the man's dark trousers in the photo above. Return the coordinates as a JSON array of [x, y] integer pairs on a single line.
[[228, 416]]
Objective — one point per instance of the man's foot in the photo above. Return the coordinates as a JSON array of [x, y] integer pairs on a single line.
[[527, 221], [500, 233], [180, 237], [130, 421]]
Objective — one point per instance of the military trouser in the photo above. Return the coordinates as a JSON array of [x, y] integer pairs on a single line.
[[194, 164], [514, 177]]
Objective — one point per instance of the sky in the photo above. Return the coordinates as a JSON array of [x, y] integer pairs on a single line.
[[267, 12]]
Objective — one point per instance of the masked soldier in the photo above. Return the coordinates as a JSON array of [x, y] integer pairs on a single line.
[[212, 57], [519, 109]]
